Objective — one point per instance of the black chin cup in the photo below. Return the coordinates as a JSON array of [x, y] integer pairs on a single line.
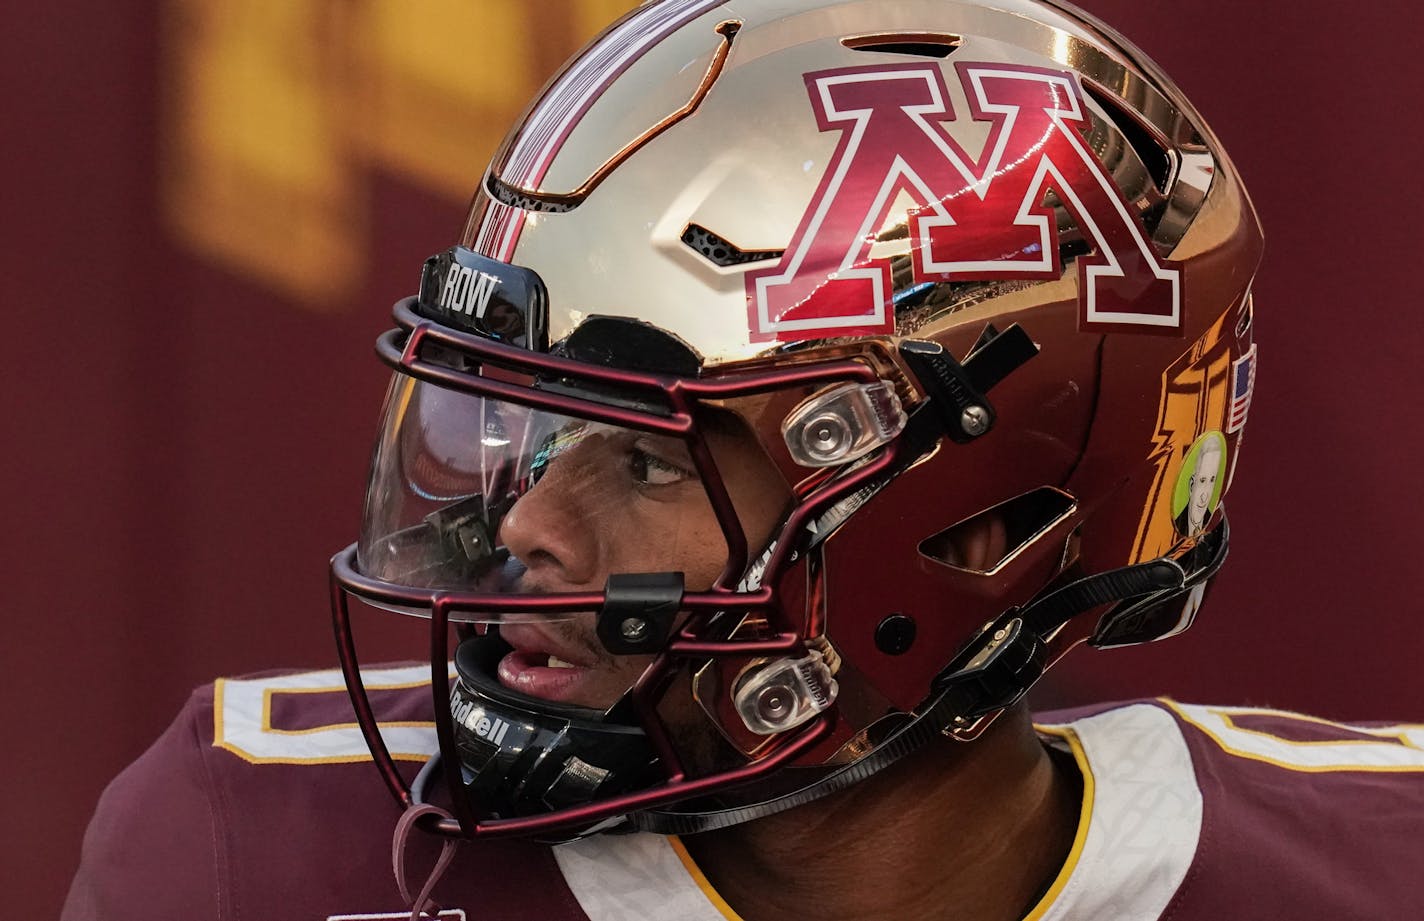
[[523, 756]]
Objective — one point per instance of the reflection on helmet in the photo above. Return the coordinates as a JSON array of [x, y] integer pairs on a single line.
[[806, 401]]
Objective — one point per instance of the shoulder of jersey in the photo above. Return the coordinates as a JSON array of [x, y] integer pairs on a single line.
[[1273, 814], [261, 801], [1292, 742], [305, 718]]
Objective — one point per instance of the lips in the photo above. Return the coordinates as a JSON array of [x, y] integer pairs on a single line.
[[542, 666]]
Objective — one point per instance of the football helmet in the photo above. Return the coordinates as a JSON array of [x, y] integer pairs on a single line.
[[809, 376]]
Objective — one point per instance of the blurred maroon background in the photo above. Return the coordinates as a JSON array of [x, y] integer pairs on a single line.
[[209, 211]]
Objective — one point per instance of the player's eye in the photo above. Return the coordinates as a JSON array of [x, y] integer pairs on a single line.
[[652, 469]]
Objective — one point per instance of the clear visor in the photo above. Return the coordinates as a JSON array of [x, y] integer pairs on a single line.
[[473, 495]]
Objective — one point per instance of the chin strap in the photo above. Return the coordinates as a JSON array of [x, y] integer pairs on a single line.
[[405, 829], [992, 673], [1051, 611], [1006, 658]]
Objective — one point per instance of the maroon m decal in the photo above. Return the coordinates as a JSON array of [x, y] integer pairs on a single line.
[[974, 218]]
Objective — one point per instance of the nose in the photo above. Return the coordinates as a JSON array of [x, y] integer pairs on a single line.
[[553, 532]]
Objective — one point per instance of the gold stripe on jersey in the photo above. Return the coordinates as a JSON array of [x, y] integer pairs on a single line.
[[1397, 748], [269, 693], [1085, 814], [242, 720], [700, 878]]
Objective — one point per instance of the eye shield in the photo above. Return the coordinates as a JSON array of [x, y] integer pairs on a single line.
[[463, 486]]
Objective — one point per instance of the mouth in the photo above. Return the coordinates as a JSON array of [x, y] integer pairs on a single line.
[[545, 667]]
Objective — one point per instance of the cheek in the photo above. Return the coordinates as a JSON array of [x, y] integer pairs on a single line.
[[704, 556], [764, 510], [669, 537], [624, 671], [615, 675]]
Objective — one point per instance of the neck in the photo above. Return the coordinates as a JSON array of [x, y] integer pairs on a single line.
[[957, 830]]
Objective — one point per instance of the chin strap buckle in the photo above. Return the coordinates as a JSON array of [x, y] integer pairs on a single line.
[[1003, 663]]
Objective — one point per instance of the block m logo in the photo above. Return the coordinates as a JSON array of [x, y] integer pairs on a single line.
[[973, 218]]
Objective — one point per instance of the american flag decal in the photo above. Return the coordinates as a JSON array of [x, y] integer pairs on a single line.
[[1243, 381]]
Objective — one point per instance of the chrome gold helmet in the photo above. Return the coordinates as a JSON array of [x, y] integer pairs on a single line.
[[809, 376]]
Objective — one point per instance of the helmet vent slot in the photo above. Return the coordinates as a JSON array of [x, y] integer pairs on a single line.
[[1243, 325], [984, 542], [514, 198], [919, 44], [721, 252], [1151, 148]]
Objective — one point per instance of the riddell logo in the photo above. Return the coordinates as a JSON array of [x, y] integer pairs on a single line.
[[972, 219], [474, 718]]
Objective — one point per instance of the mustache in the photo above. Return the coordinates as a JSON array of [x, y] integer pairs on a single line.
[[575, 634], [575, 631]]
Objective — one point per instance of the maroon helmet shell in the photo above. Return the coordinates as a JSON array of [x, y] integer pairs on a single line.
[[967, 276]]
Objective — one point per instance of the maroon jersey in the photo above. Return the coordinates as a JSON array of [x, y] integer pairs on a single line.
[[260, 802]]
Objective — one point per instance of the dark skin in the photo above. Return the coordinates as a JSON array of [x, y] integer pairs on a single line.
[[956, 830]]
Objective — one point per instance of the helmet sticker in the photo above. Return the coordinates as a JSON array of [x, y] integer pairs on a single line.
[[1243, 382], [974, 219], [1199, 483]]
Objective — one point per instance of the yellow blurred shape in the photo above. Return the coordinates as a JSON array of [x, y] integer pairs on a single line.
[[253, 177], [275, 113], [442, 86]]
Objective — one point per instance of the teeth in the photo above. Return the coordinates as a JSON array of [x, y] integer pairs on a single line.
[[556, 662]]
